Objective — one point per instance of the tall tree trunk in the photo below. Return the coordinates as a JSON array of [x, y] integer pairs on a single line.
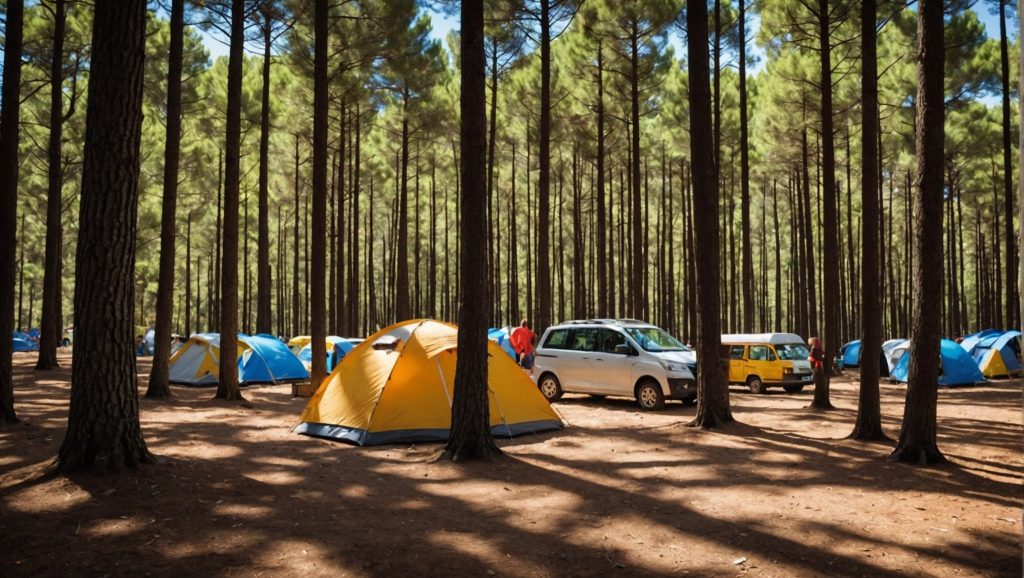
[[9, 131], [227, 386], [1011, 253], [158, 377], [402, 311], [712, 392], [263, 283], [917, 441], [605, 303], [318, 313], [639, 270], [470, 437], [1020, 181], [829, 226], [543, 269], [103, 420], [869, 413], [296, 329], [50, 326], [748, 259]]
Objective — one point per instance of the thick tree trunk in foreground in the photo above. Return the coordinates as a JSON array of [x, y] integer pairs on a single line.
[[227, 386], [318, 295], [103, 422], [1020, 182], [9, 125], [712, 392], [158, 384], [263, 282], [471, 431], [869, 413], [917, 441], [50, 325]]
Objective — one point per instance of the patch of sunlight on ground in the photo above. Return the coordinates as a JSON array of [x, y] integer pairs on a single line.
[[241, 510], [482, 550], [280, 461], [107, 527], [210, 451], [275, 477], [354, 491], [287, 557]]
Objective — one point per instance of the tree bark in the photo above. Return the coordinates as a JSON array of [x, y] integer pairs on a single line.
[[639, 270], [917, 442], [318, 313], [9, 134], [604, 302], [227, 387], [543, 271], [712, 393], [50, 326], [748, 259], [402, 311], [103, 421], [1020, 181], [158, 377], [869, 413], [1011, 253], [830, 263], [470, 437], [263, 282]]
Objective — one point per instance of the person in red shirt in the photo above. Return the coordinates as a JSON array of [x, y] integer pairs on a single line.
[[522, 340]]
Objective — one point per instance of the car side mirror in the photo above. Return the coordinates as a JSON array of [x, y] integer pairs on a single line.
[[622, 349]]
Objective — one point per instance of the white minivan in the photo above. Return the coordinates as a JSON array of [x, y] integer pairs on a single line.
[[618, 357]]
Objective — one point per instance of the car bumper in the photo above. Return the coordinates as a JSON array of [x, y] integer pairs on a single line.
[[799, 379], [682, 388]]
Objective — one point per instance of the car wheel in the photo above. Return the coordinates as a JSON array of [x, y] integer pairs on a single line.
[[649, 396], [549, 387], [756, 385], [794, 388], [692, 400]]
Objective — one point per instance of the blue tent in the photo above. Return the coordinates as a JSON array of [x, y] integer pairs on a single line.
[[337, 348], [849, 355], [970, 342], [501, 336], [998, 354], [261, 359], [23, 342], [958, 368], [34, 333]]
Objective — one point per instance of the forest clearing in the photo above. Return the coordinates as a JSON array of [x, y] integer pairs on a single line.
[[618, 492], [511, 287]]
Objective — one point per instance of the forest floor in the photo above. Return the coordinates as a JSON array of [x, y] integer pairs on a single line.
[[617, 493]]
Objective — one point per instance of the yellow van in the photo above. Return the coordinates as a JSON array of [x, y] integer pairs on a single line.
[[765, 360]]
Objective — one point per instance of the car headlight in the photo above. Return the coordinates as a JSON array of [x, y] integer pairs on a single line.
[[670, 366]]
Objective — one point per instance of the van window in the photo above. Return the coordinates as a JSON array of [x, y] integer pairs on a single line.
[[609, 340], [737, 352], [556, 339], [791, 351], [583, 339], [758, 353]]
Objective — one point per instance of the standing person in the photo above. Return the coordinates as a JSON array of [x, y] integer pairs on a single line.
[[817, 358], [522, 341]]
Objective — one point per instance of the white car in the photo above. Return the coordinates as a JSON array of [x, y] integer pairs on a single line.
[[618, 357]]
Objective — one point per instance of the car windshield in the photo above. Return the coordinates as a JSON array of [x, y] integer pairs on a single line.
[[791, 351], [654, 339]]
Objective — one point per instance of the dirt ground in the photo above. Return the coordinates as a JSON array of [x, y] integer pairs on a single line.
[[617, 493]]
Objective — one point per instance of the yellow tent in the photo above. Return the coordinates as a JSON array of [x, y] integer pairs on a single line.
[[396, 387], [297, 343]]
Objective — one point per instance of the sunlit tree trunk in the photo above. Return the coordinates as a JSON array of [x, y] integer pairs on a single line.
[[869, 414], [471, 431], [158, 384], [227, 387], [917, 441], [318, 312], [712, 393]]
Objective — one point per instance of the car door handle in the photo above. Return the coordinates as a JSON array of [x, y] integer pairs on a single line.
[[598, 359], [585, 358]]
